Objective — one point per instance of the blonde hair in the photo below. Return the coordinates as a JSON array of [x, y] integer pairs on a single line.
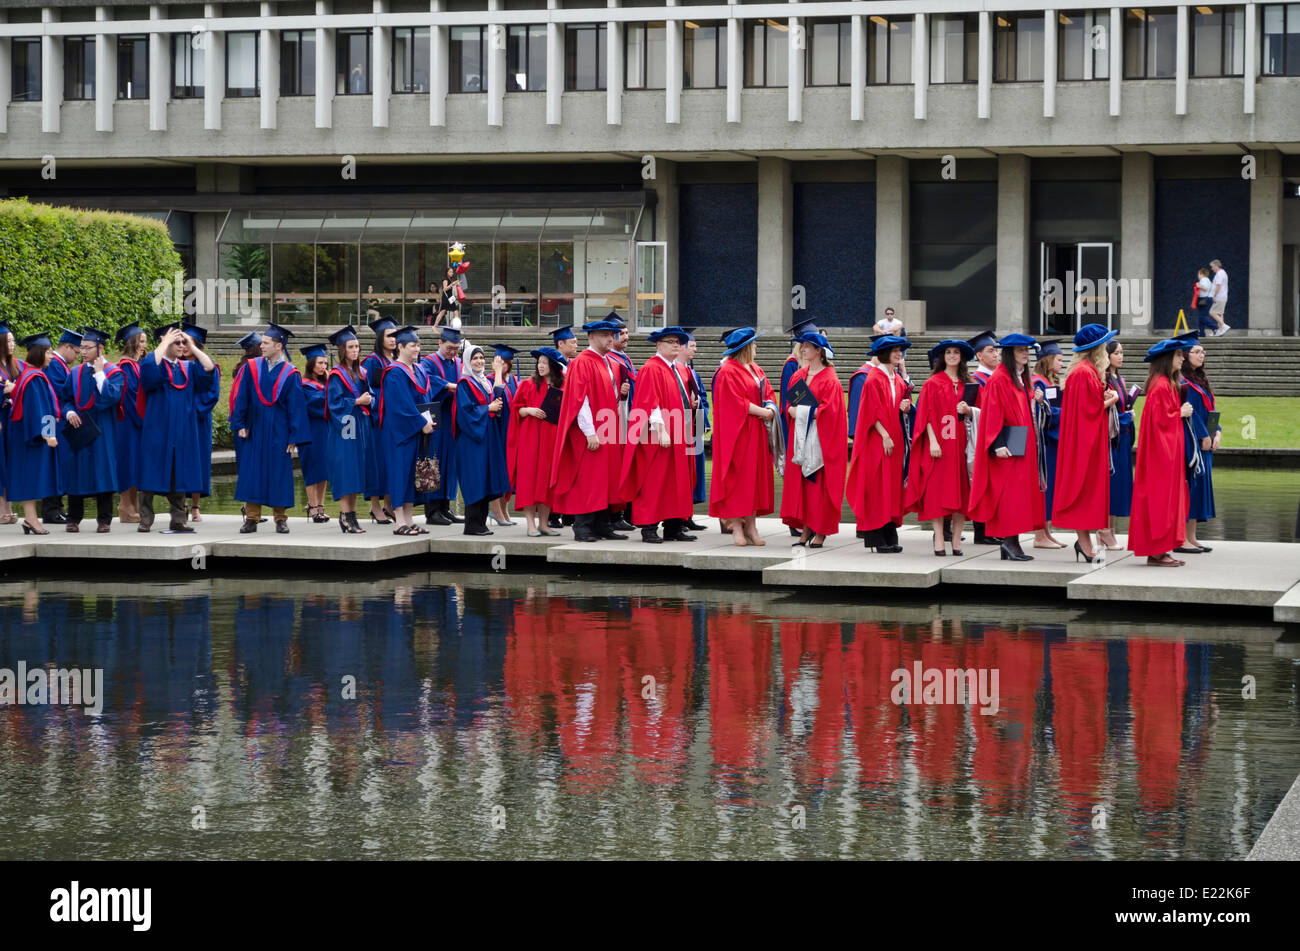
[[1043, 368], [747, 353], [1097, 356]]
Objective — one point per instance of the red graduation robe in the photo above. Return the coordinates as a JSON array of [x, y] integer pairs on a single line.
[[1082, 497], [815, 503], [875, 487], [743, 482], [659, 481], [1004, 493], [584, 481], [530, 447], [938, 487], [1158, 522]]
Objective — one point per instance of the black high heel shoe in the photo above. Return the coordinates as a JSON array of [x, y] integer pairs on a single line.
[[345, 526], [1011, 550], [1079, 553], [352, 520], [382, 521], [30, 529]]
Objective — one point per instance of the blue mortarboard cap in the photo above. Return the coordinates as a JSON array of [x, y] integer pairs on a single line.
[[1190, 336], [91, 335], [888, 342], [382, 326], [1017, 340], [551, 354], [314, 350], [676, 333], [504, 352], [985, 338], [165, 329], [1049, 348], [408, 335], [276, 332], [562, 333], [1093, 335], [615, 319], [4, 328], [817, 339], [249, 340], [1168, 345], [36, 340], [70, 336], [690, 332], [967, 351], [738, 339], [126, 333], [195, 332], [340, 337], [802, 327], [596, 326], [450, 334]]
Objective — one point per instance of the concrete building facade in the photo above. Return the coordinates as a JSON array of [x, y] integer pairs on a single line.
[[968, 163]]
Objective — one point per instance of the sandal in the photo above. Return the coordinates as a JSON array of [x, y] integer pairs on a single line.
[[404, 530], [417, 530], [1164, 561], [194, 514], [10, 519]]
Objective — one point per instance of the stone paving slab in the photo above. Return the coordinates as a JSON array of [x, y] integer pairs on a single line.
[[308, 541], [1248, 574], [1051, 567], [1286, 610], [855, 566]]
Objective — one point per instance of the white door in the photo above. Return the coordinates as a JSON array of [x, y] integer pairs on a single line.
[[1093, 301]]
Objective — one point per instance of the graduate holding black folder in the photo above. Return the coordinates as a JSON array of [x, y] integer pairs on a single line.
[[531, 442]]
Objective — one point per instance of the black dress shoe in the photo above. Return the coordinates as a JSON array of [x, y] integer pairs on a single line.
[[585, 537], [554, 522], [678, 536], [622, 525], [1184, 550], [178, 529], [438, 518], [282, 526], [56, 518], [1011, 550], [455, 519], [1206, 548], [650, 536], [249, 526], [478, 531], [690, 523], [74, 527], [612, 536], [795, 533]]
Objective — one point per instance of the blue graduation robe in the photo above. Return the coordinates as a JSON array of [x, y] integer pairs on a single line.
[[481, 470], [442, 444], [1200, 488], [94, 469], [313, 456], [127, 437], [236, 382], [372, 368], [788, 370], [170, 459], [33, 465], [1121, 453], [401, 423], [1050, 441], [56, 371], [4, 422], [271, 407], [856, 382], [203, 404], [349, 455], [702, 424]]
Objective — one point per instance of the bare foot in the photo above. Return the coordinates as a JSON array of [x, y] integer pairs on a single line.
[[739, 540]]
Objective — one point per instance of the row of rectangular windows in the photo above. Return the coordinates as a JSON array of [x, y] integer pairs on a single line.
[[1216, 48]]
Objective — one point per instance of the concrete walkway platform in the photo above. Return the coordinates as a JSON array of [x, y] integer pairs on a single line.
[[853, 565], [1051, 567], [1287, 608]]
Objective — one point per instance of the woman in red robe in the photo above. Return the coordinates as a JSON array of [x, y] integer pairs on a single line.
[[938, 481], [1158, 520], [1005, 493], [530, 443], [1082, 498], [743, 402], [812, 503], [875, 485]]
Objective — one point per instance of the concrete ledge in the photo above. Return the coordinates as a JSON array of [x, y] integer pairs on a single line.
[[1051, 567], [1280, 840], [1287, 608], [308, 541], [852, 565], [13, 548]]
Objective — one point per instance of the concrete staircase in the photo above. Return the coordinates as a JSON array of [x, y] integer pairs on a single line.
[[1238, 365]]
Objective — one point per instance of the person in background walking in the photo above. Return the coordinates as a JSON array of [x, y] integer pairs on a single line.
[[1220, 292], [1200, 479], [1202, 298]]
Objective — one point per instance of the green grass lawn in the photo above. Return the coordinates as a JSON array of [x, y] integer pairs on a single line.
[[1257, 422]]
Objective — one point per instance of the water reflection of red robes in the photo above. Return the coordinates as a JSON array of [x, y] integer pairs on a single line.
[[660, 645], [813, 650], [1079, 679], [870, 659], [1158, 522], [1157, 679], [1004, 740], [740, 676]]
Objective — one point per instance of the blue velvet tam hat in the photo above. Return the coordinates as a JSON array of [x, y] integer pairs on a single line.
[[277, 333], [1093, 335], [1016, 340], [967, 351], [314, 350], [596, 326], [738, 339], [562, 333], [551, 354], [339, 337], [675, 333], [409, 335], [888, 342], [1167, 345], [819, 340]]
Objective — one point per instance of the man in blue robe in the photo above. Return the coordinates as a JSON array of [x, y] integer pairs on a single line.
[[444, 368], [204, 403], [270, 414], [92, 391], [62, 357], [169, 441]]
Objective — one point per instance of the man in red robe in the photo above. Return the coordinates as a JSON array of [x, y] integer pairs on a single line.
[[658, 474], [588, 458]]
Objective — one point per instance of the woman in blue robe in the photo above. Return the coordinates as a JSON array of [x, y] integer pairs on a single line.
[[92, 391], [504, 385], [349, 455], [135, 344], [314, 456], [1121, 445], [1200, 436], [481, 470], [30, 443], [403, 386], [381, 507], [271, 414], [10, 369]]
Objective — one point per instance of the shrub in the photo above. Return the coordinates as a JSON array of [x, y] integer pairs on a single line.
[[73, 268]]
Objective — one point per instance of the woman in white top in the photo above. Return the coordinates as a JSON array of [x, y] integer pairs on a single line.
[[889, 324]]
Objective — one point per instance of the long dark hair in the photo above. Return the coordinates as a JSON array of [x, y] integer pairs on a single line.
[[249, 353], [1008, 359], [1111, 347], [7, 357], [352, 369], [36, 356], [1163, 365], [1196, 374], [938, 366], [379, 346], [309, 374], [554, 378]]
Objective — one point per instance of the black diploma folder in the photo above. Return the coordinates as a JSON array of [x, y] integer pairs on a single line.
[[800, 395], [79, 437], [1212, 422], [551, 404], [1013, 438], [970, 394], [432, 410]]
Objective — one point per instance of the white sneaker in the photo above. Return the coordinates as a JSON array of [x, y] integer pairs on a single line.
[[1222, 330]]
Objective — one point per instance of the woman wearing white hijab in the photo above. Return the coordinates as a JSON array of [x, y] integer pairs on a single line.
[[481, 468]]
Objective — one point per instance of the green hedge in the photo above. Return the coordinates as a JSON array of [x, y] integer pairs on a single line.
[[73, 268]]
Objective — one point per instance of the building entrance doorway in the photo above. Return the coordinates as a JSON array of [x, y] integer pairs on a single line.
[[1075, 286]]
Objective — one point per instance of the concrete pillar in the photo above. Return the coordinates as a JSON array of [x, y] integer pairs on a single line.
[[160, 85], [268, 42], [1251, 65], [893, 234], [1116, 58], [439, 59], [857, 68], [673, 52], [1013, 274], [920, 65], [381, 69], [496, 64], [554, 67], [985, 92], [775, 242], [613, 70], [6, 76], [51, 75], [1265, 301], [105, 73], [325, 69], [735, 53], [1137, 252], [667, 218], [214, 68], [1182, 60], [797, 39], [1049, 63]]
